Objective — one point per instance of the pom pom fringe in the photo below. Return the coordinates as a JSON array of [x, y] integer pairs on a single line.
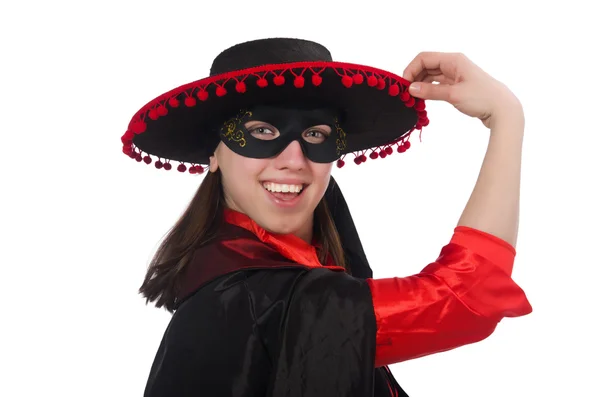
[[349, 75]]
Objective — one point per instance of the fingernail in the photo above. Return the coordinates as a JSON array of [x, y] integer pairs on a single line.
[[415, 87]]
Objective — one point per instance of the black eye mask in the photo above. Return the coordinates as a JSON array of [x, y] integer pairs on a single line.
[[291, 124]]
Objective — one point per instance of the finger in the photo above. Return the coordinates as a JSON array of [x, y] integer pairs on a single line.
[[445, 62], [439, 92], [426, 72], [440, 78]]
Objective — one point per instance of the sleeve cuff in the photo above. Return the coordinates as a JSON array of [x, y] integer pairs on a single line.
[[492, 248]]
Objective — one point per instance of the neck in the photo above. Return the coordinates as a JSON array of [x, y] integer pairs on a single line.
[[306, 231]]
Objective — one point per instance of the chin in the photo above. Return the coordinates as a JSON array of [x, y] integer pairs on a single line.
[[283, 224]]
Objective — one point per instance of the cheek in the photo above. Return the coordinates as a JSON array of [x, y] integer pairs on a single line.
[[252, 168], [242, 171], [321, 174]]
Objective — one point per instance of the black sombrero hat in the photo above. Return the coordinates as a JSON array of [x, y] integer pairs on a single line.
[[181, 125]]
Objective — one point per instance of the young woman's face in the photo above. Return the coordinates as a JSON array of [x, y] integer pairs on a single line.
[[279, 193]]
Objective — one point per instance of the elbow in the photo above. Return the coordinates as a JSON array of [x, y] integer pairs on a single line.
[[454, 331], [481, 330]]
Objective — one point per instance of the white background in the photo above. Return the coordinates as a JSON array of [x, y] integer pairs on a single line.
[[80, 220]]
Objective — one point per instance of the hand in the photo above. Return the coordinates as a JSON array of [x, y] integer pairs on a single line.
[[462, 84]]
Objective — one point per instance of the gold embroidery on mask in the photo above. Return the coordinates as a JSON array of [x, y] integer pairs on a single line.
[[341, 139], [231, 128]]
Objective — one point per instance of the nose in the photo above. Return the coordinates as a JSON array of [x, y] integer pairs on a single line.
[[292, 157]]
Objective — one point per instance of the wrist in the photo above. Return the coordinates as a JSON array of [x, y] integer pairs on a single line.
[[508, 119], [508, 115]]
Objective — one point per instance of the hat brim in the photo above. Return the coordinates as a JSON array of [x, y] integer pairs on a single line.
[[179, 125]]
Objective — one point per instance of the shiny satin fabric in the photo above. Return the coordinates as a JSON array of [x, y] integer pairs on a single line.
[[286, 332], [259, 317], [327, 338], [457, 300], [252, 322]]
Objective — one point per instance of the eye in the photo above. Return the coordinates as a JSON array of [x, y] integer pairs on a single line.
[[315, 135], [263, 132]]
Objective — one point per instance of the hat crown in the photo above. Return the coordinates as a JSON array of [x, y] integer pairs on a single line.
[[268, 51]]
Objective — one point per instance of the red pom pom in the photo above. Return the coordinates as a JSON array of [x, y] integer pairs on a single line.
[[426, 122], [357, 160], [340, 163], [138, 157], [317, 80], [262, 82], [380, 84], [358, 78], [127, 150], [410, 103], [202, 95], [158, 164], [372, 81], [138, 127], [190, 102], [221, 91], [394, 90], [132, 154], [196, 169], [147, 159], [162, 110], [181, 168], [373, 155], [173, 102], [401, 149], [240, 87], [420, 106], [128, 135], [125, 140], [299, 82], [405, 96], [279, 80], [389, 150], [407, 145], [347, 81], [153, 114], [382, 154], [363, 158], [167, 166]]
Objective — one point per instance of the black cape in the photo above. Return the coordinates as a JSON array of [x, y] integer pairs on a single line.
[[254, 323]]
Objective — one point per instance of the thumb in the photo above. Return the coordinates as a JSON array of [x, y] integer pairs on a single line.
[[439, 92]]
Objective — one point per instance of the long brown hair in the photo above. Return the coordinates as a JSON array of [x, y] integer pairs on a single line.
[[198, 225]]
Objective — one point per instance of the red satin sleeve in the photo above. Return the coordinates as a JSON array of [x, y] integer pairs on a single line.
[[456, 300]]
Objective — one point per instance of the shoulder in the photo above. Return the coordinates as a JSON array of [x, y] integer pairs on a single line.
[[324, 293], [250, 286], [262, 289], [233, 251]]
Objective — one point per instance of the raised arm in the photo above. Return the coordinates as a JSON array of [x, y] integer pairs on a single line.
[[460, 298], [494, 204]]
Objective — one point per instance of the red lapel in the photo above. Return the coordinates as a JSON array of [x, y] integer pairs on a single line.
[[243, 244]]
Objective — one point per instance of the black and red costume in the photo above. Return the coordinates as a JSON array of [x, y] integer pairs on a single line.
[[258, 314]]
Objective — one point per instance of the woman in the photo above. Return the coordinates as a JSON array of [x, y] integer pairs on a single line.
[[272, 292]]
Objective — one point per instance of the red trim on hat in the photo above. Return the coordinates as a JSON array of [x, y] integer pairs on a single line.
[[350, 75]]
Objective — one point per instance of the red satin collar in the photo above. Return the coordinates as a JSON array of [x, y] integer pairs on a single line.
[[288, 245]]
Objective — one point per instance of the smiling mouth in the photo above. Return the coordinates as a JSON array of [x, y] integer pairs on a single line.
[[284, 192]]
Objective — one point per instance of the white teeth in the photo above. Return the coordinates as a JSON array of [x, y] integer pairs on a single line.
[[276, 187]]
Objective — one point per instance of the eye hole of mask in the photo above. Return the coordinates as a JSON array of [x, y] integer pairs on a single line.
[[266, 132]]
